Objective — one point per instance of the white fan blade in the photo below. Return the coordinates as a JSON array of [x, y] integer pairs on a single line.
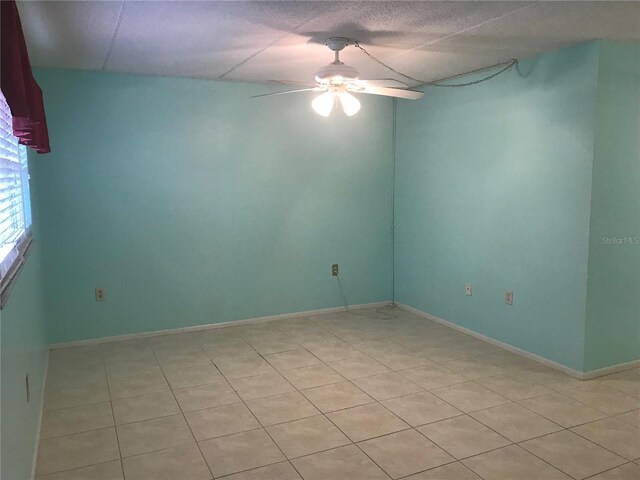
[[314, 89], [381, 82], [293, 82], [391, 92]]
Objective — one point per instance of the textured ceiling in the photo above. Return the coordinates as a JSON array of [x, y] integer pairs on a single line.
[[281, 40]]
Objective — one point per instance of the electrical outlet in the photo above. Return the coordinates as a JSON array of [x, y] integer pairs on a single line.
[[508, 297], [100, 295], [334, 270], [26, 384], [467, 289]]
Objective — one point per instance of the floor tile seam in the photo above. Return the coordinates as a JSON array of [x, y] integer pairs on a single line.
[[115, 377], [606, 415], [404, 429], [610, 416], [520, 444], [37, 477], [149, 419], [45, 410], [265, 425], [330, 421], [298, 347], [83, 466], [560, 429], [373, 400], [429, 389], [507, 370], [603, 447], [511, 442], [477, 454], [622, 391], [433, 468], [76, 406], [625, 421], [517, 402], [259, 423], [228, 475], [567, 394], [315, 365], [609, 469], [527, 451], [57, 385], [469, 456], [187, 423], [280, 369], [53, 437], [433, 392], [210, 357], [356, 443], [383, 435], [222, 379], [419, 433], [116, 399]]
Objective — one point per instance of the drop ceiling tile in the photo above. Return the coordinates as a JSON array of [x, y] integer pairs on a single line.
[[385, 29], [69, 34], [284, 40], [200, 39], [542, 27]]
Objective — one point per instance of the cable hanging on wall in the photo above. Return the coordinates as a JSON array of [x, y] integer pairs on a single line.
[[438, 83]]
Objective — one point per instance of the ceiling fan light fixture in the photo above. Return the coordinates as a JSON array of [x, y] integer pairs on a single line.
[[323, 104], [350, 104], [336, 74]]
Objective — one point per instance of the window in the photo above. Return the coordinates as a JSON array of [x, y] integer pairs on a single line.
[[15, 207]]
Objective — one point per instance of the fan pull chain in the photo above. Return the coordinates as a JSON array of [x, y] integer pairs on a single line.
[[421, 83]]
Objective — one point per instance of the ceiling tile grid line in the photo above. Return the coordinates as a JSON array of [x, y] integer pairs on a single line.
[[294, 30], [259, 41], [113, 39], [478, 25]]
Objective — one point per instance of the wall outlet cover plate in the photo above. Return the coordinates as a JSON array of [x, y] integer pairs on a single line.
[[508, 297], [100, 295]]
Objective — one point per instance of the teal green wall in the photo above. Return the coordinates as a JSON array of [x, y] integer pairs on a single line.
[[613, 301], [23, 350], [493, 186], [191, 203]]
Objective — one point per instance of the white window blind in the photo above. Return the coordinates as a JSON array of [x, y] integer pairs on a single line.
[[15, 207]]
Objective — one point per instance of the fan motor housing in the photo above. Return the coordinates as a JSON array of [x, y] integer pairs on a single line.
[[336, 73]]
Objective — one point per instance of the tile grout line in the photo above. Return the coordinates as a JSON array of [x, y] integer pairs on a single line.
[[474, 379], [113, 415], [182, 414], [261, 425], [321, 413]]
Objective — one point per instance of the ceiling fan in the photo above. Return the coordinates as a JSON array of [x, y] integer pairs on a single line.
[[338, 81]]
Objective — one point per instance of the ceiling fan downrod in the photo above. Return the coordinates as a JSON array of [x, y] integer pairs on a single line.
[[336, 44]]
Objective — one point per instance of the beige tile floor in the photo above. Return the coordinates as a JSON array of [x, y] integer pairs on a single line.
[[377, 395]]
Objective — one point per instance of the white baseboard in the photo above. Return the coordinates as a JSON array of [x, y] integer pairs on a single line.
[[493, 341], [195, 328], [621, 367], [309, 313], [532, 356], [34, 462]]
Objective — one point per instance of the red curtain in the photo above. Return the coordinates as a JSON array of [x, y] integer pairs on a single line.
[[18, 86]]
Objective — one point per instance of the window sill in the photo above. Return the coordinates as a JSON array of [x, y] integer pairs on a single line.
[[9, 278]]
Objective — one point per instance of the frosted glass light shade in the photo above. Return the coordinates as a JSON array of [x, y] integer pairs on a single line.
[[350, 104], [323, 104]]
